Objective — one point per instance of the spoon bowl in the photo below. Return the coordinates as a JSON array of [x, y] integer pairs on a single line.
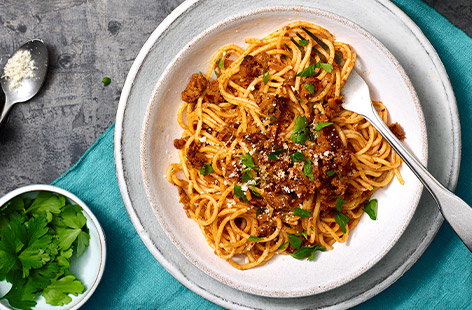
[[28, 87]]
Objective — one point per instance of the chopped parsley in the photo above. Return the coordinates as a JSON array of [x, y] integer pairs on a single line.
[[300, 131], [266, 77], [106, 81], [254, 192], [330, 173], [303, 42], [303, 233], [247, 176], [206, 169], [276, 153], [371, 208], [221, 64], [295, 241], [248, 161], [297, 156], [310, 88], [321, 125], [301, 212], [342, 219], [309, 71], [308, 252], [283, 246], [339, 203], [307, 169], [252, 238], [326, 67], [273, 118], [238, 192]]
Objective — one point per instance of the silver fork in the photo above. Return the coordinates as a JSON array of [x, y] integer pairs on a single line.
[[454, 209]]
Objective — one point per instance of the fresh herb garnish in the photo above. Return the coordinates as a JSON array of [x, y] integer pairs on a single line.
[[310, 88], [238, 192], [273, 118], [254, 192], [309, 71], [266, 77], [247, 176], [308, 252], [297, 156], [248, 161], [301, 212], [206, 169], [371, 208], [307, 169], [300, 130], [221, 64], [275, 154], [303, 233], [38, 238], [283, 246], [339, 203], [252, 238], [303, 42], [330, 173], [342, 219], [326, 67], [294, 241], [106, 81], [321, 125]]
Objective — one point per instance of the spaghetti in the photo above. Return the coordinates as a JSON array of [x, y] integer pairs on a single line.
[[270, 162]]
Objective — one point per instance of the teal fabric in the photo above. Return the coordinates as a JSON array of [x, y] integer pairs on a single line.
[[133, 279]]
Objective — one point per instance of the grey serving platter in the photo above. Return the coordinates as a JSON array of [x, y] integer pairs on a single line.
[[405, 41]]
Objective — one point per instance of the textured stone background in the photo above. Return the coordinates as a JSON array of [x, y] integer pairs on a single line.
[[87, 40]]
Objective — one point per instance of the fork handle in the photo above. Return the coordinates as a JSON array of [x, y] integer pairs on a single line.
[[457, 212]]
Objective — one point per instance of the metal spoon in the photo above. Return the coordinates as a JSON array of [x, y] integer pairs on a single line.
[[455, 210], [29, 87]]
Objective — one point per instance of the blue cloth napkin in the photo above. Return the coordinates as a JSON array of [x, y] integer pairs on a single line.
[[133, 279]]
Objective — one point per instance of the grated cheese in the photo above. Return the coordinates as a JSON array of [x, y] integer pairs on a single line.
[[18, 68]]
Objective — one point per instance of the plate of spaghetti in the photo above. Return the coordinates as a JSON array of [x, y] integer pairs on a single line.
[[257, 173]]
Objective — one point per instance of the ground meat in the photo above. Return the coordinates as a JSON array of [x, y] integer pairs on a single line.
[[195, 88], [180, 143], [333, 107], [250, 68], [213, 94], [290, 78], [397, 131], [196, 158]]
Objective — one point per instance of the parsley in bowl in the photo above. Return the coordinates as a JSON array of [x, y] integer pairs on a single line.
[[52, 249]]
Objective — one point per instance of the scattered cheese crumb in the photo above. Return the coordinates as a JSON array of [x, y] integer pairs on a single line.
[[18, 68], [202, 139]]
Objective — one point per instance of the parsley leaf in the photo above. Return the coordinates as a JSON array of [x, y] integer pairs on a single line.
[[283, 246], [339, 203], [266, 77], [326, 67], [342, 219], [308, 252], [301, 212], [330, 173], [309, 71], [297, 156], [273, 118], [252, 238], [300, 130], [221, 64], [275, 154], [254, 192], [246, 177], [247, 160], [106, 81], [294, 241], [371, 208], [82, 243], [206, 169], [238, 192], [303, 42], [57, 292], [307, 169], [310, 88], [321, 125]]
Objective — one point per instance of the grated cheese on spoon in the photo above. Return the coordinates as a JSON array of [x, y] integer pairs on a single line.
[[18, 68]]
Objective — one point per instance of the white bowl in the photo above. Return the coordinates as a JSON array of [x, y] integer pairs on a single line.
[[88, 268], [284, 276]]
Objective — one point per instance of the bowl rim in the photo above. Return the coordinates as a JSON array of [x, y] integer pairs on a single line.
[[147, 126], [101, 235]]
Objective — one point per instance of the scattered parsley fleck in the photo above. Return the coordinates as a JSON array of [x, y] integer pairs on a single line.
[[300, 130], [339, 203], [321, 125], [247, 176], [342, 219], [297, 156], [309, 71], [303, 42], [266, 77], [310, 88], [273, 118], [238, 192], [221, 64], [294, 241], [307, 169], [106, 81], [206, 169], [275, 154], [371, 208], [301, 212], [248, 161], [252, 238], [254, 192], [330, 173], [326, 67]]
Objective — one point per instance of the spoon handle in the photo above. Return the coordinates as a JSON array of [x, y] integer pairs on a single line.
[[457, 212], [6, 108]]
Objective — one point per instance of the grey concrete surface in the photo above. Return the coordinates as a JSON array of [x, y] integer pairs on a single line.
[[87, 40]]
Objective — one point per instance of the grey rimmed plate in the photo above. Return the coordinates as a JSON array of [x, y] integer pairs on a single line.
[[159, 51]]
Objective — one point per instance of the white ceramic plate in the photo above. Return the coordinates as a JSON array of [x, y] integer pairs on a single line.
[[88, 267], [388, 24], [284, 276]]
